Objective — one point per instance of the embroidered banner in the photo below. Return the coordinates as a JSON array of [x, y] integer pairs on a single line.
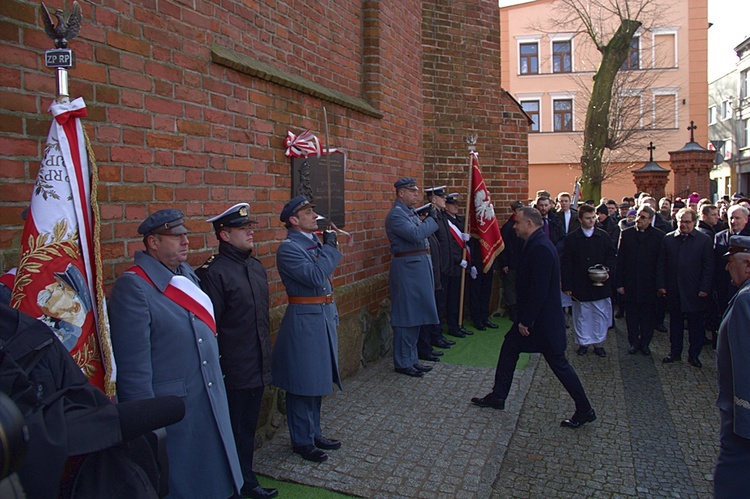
[[482, 221]]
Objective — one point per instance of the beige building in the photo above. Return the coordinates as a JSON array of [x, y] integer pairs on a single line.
[[662, 89]]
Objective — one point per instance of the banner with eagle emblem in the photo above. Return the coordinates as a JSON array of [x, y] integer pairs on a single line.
[[482, 220], [59, 280]]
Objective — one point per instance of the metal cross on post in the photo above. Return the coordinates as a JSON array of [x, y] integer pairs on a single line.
[[692, 128], [651, 147]]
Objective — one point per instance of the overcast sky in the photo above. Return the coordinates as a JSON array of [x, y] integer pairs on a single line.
[[731, 25]]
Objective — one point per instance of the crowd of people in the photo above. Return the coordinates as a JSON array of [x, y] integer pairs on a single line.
[[203, 335]]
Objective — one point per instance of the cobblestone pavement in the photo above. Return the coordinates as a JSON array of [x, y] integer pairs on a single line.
[[656, 434]]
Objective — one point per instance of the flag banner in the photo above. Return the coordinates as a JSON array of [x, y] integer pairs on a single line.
[[58, 280], [576, 194], [482, 221]]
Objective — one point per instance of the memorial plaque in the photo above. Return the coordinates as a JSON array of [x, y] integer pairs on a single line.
[[310, 179]]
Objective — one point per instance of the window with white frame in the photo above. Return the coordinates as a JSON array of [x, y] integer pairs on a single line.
[[562, 115], [665, 108], [562, 56], [528, 62], [634, 54], [744, 133], [532, 108], [664, 49], [744, 84], [712, 115]]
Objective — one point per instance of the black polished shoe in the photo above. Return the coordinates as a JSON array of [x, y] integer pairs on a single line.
[[443, 343], [456, 334], [599, 352], [479, 326], [327, 443], [489, 400], [465, 331], [259, 492], [661, 328], [311, 453], [695, 362], [422, 368], [645, 350], [579, 420], [430, 357], [582, 350], [620, 314], [436, 353], [671, 358], [633, 349], [491, 325], [410, 371]]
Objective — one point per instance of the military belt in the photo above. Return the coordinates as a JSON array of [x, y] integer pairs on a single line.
[[309, 300], [425, 251]]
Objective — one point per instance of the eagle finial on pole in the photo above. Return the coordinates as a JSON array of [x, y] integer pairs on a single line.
[[66, 28]]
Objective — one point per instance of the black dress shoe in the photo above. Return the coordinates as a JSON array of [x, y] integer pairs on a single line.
[[311, 453], [620, 314], [582, 350], [327, 443], [456, 334], [479, 326], [410, 371], [465, 331], [671, 358], [489, 400], [436, 353], [599, 352], [430, 357], [579, 420], [633, 349], [695, 362], [491, 325], [422, 368], [645, 350], [443, 343], [661, 328], [258, 492]]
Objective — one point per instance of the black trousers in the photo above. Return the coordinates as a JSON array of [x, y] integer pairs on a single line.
[[452, 289], [244, 410], [480, 290], [506, 366], [641, 321], [696, 331]]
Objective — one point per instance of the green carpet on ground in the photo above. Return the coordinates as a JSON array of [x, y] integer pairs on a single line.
[[482, 348], [289, 489]]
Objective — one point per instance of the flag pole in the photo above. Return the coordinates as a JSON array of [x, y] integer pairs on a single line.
[[471, 141]]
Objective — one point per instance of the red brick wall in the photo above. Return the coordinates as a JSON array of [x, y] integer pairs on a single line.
[[170, 128]]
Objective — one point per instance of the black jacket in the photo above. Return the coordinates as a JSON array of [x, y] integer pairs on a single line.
[[455, 250], [511, 255], [582, 252], [637, 256], [685, 268], [723, 285], [611, 227], [238, 287]]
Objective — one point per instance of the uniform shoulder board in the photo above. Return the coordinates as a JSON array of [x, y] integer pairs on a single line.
[[208, 263]]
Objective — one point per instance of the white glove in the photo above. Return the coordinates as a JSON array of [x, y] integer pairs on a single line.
[[473, 272], [464, 264], [465, 236]]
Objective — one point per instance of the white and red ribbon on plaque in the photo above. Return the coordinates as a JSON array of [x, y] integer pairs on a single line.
[[302, 145]]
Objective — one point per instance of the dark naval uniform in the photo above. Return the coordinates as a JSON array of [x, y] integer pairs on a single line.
[[237, 284]]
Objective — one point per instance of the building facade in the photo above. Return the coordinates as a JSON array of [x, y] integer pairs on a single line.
[[662, 87]]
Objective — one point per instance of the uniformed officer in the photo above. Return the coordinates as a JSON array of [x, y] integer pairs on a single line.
[[410, 279], [164, 341], [237, 284], [452, 279], [305, 357]]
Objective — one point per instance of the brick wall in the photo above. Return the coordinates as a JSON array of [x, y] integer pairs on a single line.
[[172, 128]]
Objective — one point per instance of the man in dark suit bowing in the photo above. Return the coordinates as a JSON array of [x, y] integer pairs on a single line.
[[540, 324]]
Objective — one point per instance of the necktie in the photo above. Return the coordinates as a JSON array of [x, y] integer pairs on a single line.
[[546, 227]]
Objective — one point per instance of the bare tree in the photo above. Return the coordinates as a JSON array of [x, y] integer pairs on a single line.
[[610, 26]]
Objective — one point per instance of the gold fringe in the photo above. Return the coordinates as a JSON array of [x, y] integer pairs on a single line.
[[105, 340]]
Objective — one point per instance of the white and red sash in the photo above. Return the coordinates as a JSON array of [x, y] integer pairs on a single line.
[[458, 236], [186, 294]]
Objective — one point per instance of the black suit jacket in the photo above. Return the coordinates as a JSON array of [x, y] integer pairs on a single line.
[[637, 257], [685, 268]]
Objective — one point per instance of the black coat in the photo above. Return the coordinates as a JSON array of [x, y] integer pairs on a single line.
[[556, 231], [664, 225], [455, 250], [538, 292], [637, 257], [723, 285], [685, 268], [511, 255], [611, 227], [238, 287], [582, 252], [442, 235], [573, 224]]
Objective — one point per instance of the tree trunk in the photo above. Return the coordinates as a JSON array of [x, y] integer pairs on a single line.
[[596, 131]]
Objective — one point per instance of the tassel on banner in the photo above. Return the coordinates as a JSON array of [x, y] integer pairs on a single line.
[[303, 145]]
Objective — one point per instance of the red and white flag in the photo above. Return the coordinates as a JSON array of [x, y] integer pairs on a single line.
[[58, 280], [482, 221]]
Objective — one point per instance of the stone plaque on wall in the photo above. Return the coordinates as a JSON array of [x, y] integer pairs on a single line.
[[310, 179]]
